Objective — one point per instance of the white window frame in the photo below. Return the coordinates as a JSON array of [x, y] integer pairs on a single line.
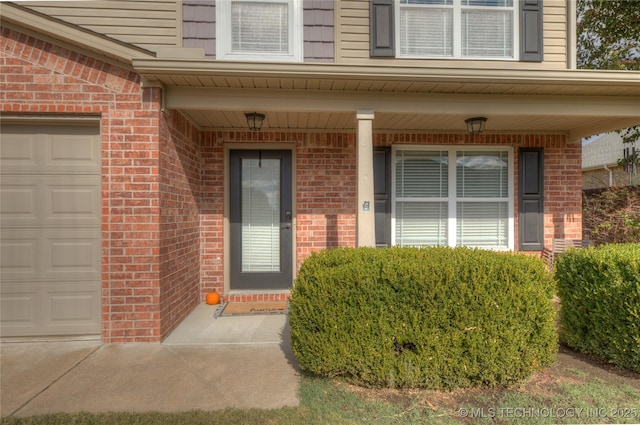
[[223, 34], [452, 198], [457, 31]]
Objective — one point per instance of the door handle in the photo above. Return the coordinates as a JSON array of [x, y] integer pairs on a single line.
[[287, 215]]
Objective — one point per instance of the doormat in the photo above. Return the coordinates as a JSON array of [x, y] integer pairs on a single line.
[[240, 308]]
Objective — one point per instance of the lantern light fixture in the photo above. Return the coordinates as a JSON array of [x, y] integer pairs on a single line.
[[254, 120], [475, 125]]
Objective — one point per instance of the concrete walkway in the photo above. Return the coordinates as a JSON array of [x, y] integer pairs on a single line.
[[206, 363]]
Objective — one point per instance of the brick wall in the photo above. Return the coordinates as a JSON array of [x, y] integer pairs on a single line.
[[562, 169], [325, 196], [163, 183], [40, 78], [326, 192], [179, 169]]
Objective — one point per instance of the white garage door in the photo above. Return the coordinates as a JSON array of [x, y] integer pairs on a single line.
[[50, 226]]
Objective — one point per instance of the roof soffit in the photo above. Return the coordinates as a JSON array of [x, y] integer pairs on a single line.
[[339, 77]]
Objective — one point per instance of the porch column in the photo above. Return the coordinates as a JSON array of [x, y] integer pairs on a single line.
[[365, 216]]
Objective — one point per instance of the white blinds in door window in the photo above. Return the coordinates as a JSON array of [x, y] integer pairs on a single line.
[[260, 27], [482, 184], [260, 206], [421, 198]]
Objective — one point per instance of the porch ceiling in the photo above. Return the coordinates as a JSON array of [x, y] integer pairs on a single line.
[[215, 95], [577, 127], [578, 116]]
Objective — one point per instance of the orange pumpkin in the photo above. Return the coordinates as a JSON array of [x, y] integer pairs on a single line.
[[213, 298]]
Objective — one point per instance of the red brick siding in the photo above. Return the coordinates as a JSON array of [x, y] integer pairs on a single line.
[[326, 192], [40, 78], [163, 181], [179, 220], [325, 197], [562, 169], [211, 213]]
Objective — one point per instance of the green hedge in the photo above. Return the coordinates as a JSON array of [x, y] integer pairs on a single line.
[[437, 318], [599, 291]]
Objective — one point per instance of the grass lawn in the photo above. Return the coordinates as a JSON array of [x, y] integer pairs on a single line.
[[576, 390]]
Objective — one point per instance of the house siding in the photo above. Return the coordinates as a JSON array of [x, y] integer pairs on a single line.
[[146, 288], [163, 183], [199, 20], [318, 32], [599, 178], [326, 188], [149, 24], [179, 178], [199, 25], [562, 173], [353, 41]]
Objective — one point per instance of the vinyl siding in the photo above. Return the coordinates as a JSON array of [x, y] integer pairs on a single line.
[[199, 29], [144, 23], [353, 40], [199, 25]]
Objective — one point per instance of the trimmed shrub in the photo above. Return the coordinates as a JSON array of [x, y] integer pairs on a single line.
[[436, 318], [599, 291]]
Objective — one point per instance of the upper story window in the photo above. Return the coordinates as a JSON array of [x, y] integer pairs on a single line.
[[458, 29], [265, 30]]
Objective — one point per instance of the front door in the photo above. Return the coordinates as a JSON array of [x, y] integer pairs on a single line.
[[261, 216]]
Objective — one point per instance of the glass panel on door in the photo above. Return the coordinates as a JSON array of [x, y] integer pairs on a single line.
[[261, 217]]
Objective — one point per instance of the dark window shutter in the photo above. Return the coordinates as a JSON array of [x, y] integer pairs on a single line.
[[531, 42], [381, 29], [531, 200], [382, 195]]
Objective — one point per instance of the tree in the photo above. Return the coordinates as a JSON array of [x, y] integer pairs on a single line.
[[609, 38], [609, 34]]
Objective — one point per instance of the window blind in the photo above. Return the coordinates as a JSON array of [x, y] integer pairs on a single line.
[[482, 224], [478, 209], [457, 28], [426, 31], [487, 33], [482, 174], [483, 199], [421, 223], [260, 27], [260, 206], [422, 186]]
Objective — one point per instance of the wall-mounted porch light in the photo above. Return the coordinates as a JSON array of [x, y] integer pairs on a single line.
[[475, 125], [254, 120]]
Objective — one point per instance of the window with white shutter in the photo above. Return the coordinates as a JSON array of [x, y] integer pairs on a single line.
[[453, 196], [459, 29], [266, 30]]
